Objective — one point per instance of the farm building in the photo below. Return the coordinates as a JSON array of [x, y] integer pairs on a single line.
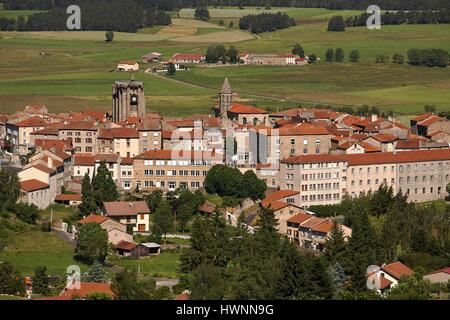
[[128, 66], [152, 57], [188, 58]]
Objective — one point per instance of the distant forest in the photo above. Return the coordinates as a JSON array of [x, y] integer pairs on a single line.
[[113, 15], [169, 5], [404, 17]]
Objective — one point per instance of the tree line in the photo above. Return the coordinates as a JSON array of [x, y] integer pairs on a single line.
[[328, 4], [113, 15], [266, 22], [428, 57], [404, 17]]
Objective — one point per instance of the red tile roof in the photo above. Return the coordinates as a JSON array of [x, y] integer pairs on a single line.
[[299, 218], [32, 122], [407, 144], [119, 133], [149, 125], [325, 226], [89, 287], [125, 245], [94, 218], [397, 270], [281, 194], [430, 121], [127, 160], [245, 109], [84, 160], [299, 129], [207, 207], [33, 185], [188, 56], [422, 117], [275, 205], [80, 125], [129, 62], [125, 208], [68, 197], [43, 168], [384, 137], [443, 270], [374, 158]]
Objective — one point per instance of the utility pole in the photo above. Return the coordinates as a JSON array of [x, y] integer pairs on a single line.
[[51, 220]]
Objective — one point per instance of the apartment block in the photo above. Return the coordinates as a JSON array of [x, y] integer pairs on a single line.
[[169, 169]]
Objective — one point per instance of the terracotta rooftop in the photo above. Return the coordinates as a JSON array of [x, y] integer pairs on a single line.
[[299, 218], [245, 109], [178, 154], [43, 168], [422, 117], [397, 270], [33, 185], [125, 245], [274, 205], [80, 125], [149, 125], [118, 133], [68, 197], [84, 160], [93, 218], [280, 194], [124, 208], [32, 122], [89, 287], [443, 270]]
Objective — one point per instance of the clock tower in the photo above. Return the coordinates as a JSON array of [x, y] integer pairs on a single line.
[[128, 100]]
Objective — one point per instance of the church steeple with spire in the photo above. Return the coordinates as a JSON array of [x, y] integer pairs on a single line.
[[225, 99]]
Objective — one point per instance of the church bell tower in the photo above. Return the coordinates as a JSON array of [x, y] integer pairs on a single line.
[[128, 100], [225, 99]]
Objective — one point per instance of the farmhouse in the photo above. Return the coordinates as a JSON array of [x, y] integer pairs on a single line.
[[116, 231], [35, 192], [128, 66], [134, 214], [272, 59], [151, 57], [389, 275], [439, 276], [188, 58]]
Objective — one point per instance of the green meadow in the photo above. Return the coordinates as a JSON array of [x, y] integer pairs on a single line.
[[75, 70]]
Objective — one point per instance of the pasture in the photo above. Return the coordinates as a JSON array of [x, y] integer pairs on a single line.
[[78, 68]]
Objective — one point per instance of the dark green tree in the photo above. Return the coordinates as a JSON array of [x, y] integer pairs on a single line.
[[103, 185], [208, 283], [162, 220], [336, 247], [201, 14], [339, 55], [184, 215], [233, 55], [26, 212], [298, 50], [9, 188], [41, 281], [398, 58], [252, 187], [329, 55], [11, 282], [91, 243], [171, 69], [354, 56], [126, 286], [336, 23], [88, 204], [154, 199], [109, 36]]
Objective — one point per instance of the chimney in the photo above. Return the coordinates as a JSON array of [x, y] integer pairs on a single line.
[[374, 117], [49, 162], [131, 204]]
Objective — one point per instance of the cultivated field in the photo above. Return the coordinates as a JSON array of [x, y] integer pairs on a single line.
[[78, 70]]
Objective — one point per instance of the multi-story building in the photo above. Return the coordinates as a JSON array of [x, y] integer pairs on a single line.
[[323, 179], [150, 136], [170, 169], [82, 134], [320, 179], [311, 232], [19, 133], [121, 141], [295, 140]]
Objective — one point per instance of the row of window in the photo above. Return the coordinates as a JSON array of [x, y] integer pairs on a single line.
[[369, 182], [320, 176], [321, 197], [423, 179], [177, 162], [172, 184], [320, 186], [424, 166], [195, 173]]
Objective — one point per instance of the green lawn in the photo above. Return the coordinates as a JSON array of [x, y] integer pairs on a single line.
[[78, 71], [164, 265], [17, 13], [6, 297], [30, 249]]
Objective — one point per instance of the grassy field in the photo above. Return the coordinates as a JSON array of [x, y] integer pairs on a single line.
[[32, 249], [165, 265], [17, 13], [78, 71]]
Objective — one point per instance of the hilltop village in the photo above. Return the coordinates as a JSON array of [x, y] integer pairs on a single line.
[[303, 157]]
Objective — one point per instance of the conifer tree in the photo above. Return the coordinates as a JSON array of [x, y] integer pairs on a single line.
[[103, 185], [335, 245], [96, 273], [88, 204]]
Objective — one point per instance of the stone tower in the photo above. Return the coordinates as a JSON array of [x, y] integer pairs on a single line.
[[128, 100], [225, 99]]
